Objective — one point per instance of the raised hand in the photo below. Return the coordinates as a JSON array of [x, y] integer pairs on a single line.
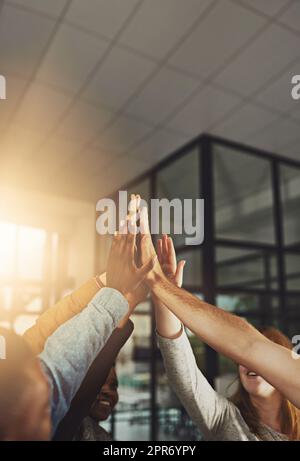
[[167, 324], [168, 262], [122, 272], [146, 247]]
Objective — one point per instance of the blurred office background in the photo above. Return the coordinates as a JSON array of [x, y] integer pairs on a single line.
[[166, 98]]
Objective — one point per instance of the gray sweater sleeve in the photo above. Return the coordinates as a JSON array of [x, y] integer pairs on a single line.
[[72, 348], [208, 410]]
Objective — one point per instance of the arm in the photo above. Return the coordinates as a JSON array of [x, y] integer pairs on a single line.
[[226, 333], [167, 324], [70, 351], [208, 410], [72, 305], [62, 311], [92, 383], [233, 337]]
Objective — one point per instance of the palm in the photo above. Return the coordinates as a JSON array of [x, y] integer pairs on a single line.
[[168, 261], [169, 268]]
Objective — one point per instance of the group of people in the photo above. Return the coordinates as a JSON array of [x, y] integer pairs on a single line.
[[44, 369]]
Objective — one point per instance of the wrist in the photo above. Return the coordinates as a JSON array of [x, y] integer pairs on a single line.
[[154, 278], [131, 300]]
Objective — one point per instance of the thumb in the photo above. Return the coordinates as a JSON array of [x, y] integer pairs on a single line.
[[179, 273]]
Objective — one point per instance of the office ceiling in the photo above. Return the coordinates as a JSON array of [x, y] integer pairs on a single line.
[[98, 91]]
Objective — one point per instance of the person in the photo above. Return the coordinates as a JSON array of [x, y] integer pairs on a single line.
[[24, 393], [257, 411], [228, 334], [102, 408], [58, 371]]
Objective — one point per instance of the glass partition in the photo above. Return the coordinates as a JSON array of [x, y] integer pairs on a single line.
[[290, 196], [242, 268], [180, 180], [243, 196], [248, 264]]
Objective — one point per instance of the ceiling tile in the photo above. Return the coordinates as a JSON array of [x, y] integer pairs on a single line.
[[206, 109], [72, 56], [158, 26], [16, 146], [92, 162], [41, 108], [278, 94], [118, 78], [226, 29], [54, 155], [101, 16], [162, 143], [268, 7], [21, 50], [121, 171], [262, 60], [291, 17], [296, 112], [83, 122], [162, 95], [122, 135], [17, 134], [277, 134], [245, 121], [14, 88], [53, 8], [292, 150]]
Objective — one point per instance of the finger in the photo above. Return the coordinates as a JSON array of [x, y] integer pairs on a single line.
[[179, 273], [144, 220], [159, 250], [165, 249], [122, 227], [138, 201], [131, 237], [115, 240], [121, 237], [138, 207], [132, 208], [171, 252]]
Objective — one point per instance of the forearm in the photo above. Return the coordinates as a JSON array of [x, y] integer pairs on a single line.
[[233, 337], [167, 324], [206, 408], [70, 351], [214, 326], [63, 310]]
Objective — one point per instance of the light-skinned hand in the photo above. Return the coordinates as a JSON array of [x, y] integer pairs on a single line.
[[122, 272], [168, 262]]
